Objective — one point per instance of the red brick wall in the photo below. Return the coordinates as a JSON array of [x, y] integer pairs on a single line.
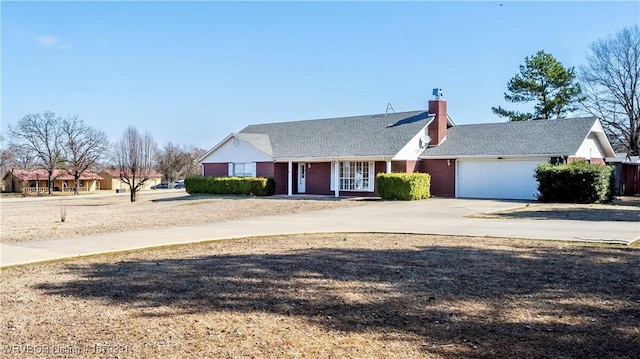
[[216, 169], [264, 169], [443, 177], [438, 128], [595, 161], [318, 178], [402, 166], [280, 177]]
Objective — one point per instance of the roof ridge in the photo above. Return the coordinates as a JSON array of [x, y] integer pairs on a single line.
[[337, 118], [520, 123]]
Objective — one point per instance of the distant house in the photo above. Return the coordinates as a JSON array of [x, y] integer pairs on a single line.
[[111, 180], [35, 181], [341, 156]]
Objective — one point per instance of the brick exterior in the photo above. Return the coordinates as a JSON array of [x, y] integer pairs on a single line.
[[318, 178], [595, 161], [280, 177], [443, 177], [216, 169], [438, 128], [265, 169], [403, 166]]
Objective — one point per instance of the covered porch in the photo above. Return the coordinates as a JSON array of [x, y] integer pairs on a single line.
[[336, 177]]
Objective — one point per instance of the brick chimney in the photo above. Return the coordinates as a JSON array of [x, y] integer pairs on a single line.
[[438, 128]]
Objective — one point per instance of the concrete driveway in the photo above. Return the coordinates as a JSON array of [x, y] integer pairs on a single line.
[[432, 216]]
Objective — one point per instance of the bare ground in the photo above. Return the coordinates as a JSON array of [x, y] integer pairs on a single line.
[[331, 296]]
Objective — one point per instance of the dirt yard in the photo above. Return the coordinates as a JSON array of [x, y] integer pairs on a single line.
[[27, 219], [330, 296]]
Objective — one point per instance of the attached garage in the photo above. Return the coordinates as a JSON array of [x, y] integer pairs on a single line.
[[498, 160], [497, 178]]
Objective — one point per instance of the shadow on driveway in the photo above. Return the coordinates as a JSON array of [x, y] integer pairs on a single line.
[[601, 213]]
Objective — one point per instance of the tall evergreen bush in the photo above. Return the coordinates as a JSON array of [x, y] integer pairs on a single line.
[[577, 182]]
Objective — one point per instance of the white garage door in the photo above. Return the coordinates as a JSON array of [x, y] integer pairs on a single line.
[[505, 179]]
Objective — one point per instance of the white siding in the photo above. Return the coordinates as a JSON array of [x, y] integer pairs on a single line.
[[412, 149], [242, 153], [591, 148], [502, 179]]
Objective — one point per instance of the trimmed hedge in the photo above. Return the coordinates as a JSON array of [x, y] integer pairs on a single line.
[[404, 186], [257, 186], [577, 182]]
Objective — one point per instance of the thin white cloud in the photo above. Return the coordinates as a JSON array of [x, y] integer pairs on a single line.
[[48, 41], [55, 42]]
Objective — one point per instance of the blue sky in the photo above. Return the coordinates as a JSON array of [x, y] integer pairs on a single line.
[[193, 72]]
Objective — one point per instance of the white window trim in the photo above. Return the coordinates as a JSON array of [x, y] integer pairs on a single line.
[[248, 169], [345, 182]]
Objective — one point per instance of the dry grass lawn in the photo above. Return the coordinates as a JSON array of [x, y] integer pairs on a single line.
[[28, 219], [312, 296], [623, 209], [330, 296]]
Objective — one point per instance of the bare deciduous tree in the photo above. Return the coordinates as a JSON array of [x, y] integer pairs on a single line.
[[189, 165], [168, 161], [38, 136], [19, 158], [14, 157], [178, 161], [6, 156], [134, 156], [611, 80], [84, 147]]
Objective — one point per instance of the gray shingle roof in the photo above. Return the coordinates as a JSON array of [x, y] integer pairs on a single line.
[[358, 136], [546, 137], [259, 141]]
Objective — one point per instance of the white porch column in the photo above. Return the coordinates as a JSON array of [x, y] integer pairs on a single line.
[[336, 179], [289, 178], [388, 166]]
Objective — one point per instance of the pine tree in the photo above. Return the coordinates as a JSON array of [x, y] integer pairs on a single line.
[[544, 80]]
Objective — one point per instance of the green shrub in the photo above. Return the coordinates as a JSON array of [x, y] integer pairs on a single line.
[[404, 186], [263, 186], [257, 186], [577, 182]]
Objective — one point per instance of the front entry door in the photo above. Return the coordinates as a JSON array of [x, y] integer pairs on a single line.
[[302, 174]]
